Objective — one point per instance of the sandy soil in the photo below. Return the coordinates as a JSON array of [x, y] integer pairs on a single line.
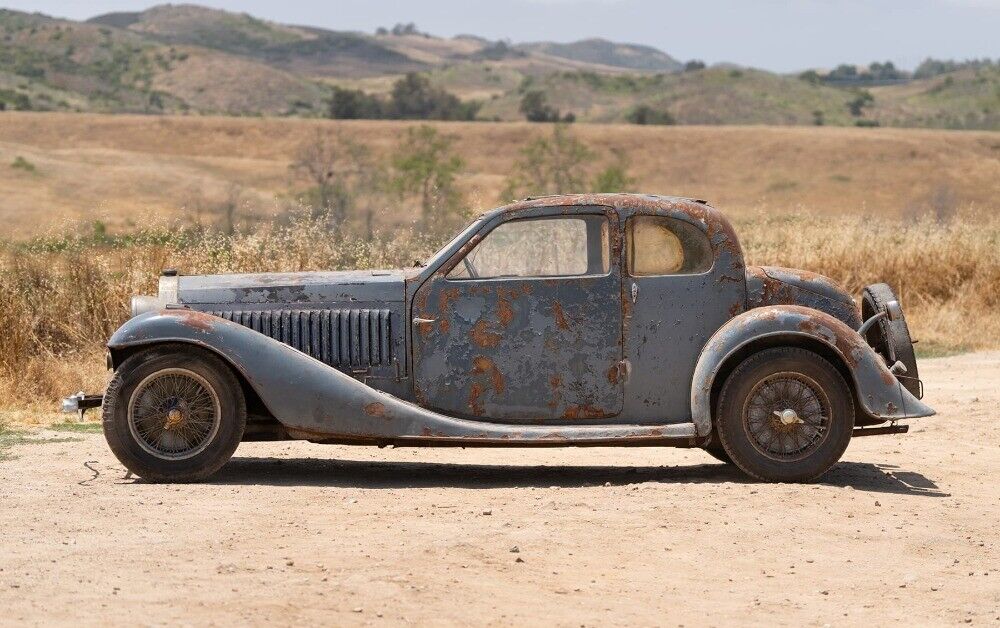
[[903, 531]]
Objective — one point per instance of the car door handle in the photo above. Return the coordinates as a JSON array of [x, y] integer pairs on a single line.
[[423, 321]]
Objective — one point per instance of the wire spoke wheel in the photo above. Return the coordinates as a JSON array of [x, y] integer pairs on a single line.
[[786, 416], [174, 414]]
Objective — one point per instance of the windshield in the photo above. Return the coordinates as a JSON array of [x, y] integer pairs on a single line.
[[463, 235]]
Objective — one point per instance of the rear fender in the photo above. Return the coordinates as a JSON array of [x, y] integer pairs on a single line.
[[878, 391], [317, 402]]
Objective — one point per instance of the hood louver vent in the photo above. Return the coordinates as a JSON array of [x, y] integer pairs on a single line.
[[350, 339]]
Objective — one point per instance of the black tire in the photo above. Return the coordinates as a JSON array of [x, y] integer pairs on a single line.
[[716, 450], [214, 390], [891, 339], [746, 414]]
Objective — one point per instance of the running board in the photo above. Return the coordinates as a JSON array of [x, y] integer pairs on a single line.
[[876, 431], [506, 435]]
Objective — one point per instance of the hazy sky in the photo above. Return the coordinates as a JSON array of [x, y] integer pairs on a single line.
[[778, 35]]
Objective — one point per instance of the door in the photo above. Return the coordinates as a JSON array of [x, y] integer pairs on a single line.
[[527, 325], [681, 293]]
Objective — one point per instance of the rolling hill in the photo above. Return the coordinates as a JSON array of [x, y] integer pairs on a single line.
[[190, 59]]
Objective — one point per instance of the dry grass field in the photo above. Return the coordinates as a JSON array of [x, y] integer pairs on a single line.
[[127, 170], [855, 204]]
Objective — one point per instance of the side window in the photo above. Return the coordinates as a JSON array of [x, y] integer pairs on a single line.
[[540, 247], [658, 245]]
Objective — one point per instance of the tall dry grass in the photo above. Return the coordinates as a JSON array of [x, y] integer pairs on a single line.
[[60, 300]]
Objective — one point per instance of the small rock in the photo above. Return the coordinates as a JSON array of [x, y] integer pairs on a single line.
[[487, 512], [607, 484], [519, 560], [359, 610], [877, 503], [515, 550]]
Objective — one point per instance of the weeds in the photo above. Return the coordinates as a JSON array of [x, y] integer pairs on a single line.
[[61, 299]]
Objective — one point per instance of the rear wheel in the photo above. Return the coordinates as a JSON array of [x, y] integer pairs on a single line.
[[174, 414], [785, 415]]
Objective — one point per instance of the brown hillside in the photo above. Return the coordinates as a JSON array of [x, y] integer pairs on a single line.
[[120, 168]]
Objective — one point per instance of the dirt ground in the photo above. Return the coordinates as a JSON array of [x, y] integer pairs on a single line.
[[903, 531]]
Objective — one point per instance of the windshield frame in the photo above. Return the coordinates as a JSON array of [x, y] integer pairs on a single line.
[[455, 243]]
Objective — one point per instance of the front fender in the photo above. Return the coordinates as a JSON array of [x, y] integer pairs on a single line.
[[879, 392], [317, 402]]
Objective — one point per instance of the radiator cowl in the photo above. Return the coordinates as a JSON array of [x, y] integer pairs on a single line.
[[348, 339]]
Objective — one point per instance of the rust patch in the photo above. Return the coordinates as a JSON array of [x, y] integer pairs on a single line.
[[560, 316], [445, 299], [475, 405], [887, 377], [613, 374], [193, 319], [375, 408], [482, 365], [482, 336], [444, 325], [585, 411], [505, 312]]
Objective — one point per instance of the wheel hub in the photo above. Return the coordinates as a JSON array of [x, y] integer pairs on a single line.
[[174, 414], [788, 416]]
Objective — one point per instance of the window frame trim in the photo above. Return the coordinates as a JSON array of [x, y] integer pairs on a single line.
[[561, 215], [627, 241]]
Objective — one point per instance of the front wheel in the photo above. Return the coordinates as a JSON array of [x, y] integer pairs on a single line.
[[174, 414], [785, 415]]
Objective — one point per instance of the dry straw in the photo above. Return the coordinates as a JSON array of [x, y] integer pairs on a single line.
[[59, 300]]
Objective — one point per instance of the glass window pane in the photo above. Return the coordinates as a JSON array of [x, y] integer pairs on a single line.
[[543, 247], [658, 245]]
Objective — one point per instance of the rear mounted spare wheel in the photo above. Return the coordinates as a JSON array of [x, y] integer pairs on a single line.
[[890, 338]]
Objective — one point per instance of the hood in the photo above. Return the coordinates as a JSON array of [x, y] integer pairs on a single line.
[[368, 286]]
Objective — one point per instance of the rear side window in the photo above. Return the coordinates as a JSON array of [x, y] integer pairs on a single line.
[[658, 245]]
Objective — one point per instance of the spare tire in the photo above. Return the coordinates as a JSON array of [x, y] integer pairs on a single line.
[[890, 339]]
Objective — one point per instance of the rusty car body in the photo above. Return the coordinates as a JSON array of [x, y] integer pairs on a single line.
[[441, 355]]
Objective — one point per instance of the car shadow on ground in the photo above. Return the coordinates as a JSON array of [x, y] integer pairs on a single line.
[[876, 478]]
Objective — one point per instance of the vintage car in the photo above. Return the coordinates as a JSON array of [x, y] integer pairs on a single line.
[[574, 320]]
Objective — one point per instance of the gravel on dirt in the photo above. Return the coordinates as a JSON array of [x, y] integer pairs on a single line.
[[902, 531]]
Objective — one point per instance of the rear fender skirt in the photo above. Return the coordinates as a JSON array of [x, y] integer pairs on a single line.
[[315, 401], [880, 393]]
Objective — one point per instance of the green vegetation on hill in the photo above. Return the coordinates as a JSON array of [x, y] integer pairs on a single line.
[[191, 59]]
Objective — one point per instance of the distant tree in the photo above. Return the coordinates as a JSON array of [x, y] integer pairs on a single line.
[[425, 165], [337, 168], [694, 65], [381, 31], [414, 98], [811, 76], [549, 165], [354, 104], [934, 67], [615, 177], [819, 119], [863, 98], [644, 114], [842, 72], [405, 29], [536, 109]]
